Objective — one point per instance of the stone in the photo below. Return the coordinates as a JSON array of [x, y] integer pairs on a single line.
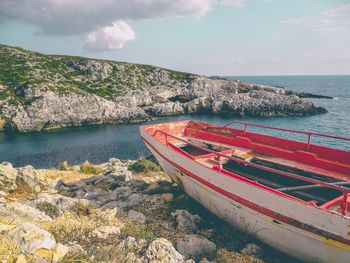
[[195, 246], [8, 176], [252, 249], [137, 216], [204, 260], [20, 211], [76, 249], [185, 220], [31, 178], [103, 232], [31, 238], [161, 250], [3, 194], [59, 252], [21, 259], [131, 243]]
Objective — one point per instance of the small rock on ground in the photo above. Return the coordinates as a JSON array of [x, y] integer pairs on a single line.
[[195, 246]]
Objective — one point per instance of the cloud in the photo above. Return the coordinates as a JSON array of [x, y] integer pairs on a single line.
[[332, 21], [110, 37], [233, 2], [72, 17]]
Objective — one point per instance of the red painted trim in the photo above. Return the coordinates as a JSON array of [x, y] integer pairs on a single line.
[[253, 206]]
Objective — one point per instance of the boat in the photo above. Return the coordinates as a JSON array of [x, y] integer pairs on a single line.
[[293, 195]]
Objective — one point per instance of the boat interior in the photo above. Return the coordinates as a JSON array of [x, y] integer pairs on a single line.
[[312, 173]]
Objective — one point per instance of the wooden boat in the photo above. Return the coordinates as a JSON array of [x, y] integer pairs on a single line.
[[292, 195]]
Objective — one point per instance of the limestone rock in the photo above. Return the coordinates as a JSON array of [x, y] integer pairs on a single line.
[[31, 178], [185, 220], [131, 243], [8, 176], [137, 216], [21, 212], [195, 246], [252, 249], [161, 250], [31, 238], [21, 259]]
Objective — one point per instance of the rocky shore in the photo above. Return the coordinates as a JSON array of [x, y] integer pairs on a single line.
[[120, 211], [41, 92]]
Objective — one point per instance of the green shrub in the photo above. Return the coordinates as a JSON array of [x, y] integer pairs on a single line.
[[50, 209], [89, 168], [144, 166], [64, 166]]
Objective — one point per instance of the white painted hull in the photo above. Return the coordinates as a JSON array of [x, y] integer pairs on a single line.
[[292, 240]]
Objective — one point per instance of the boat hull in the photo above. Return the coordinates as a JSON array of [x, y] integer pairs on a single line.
[[292, 240]]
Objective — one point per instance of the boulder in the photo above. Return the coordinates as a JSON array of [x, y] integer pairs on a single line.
[[195, 246], [31, 238], [37, 243], [21, 212], [161, 250], [185, 220], [137, 216], [252, 249], [131, 243], [31, 178], [8, 176]]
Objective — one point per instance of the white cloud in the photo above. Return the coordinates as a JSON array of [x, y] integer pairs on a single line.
[[110, 37], [72, 17], [333, 21]]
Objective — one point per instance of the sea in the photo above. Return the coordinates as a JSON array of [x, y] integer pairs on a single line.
[[99, 143]]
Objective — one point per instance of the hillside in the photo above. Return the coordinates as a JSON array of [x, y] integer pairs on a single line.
[[40, 92]]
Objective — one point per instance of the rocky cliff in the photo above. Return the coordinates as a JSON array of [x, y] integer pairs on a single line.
[[39, 92]]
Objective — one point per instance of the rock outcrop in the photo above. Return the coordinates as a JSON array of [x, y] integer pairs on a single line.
[[58, 91], [111, 216]]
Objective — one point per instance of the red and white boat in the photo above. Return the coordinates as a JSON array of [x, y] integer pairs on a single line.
[[292, 195]]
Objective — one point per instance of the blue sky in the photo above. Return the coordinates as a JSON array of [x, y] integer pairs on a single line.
[[212, 37]]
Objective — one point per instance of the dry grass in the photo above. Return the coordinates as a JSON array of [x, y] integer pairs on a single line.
[[66, 176], [64, 166], [224, 256], [71, 228], [9, 250], [97, 254], [19, 193]]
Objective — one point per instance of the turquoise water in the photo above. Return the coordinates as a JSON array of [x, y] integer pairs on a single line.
[[99, 143]]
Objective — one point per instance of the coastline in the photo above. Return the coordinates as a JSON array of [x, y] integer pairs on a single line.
[[129, 203]]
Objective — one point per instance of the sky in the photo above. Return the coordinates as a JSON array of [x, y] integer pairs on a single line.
[[210, 37]]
